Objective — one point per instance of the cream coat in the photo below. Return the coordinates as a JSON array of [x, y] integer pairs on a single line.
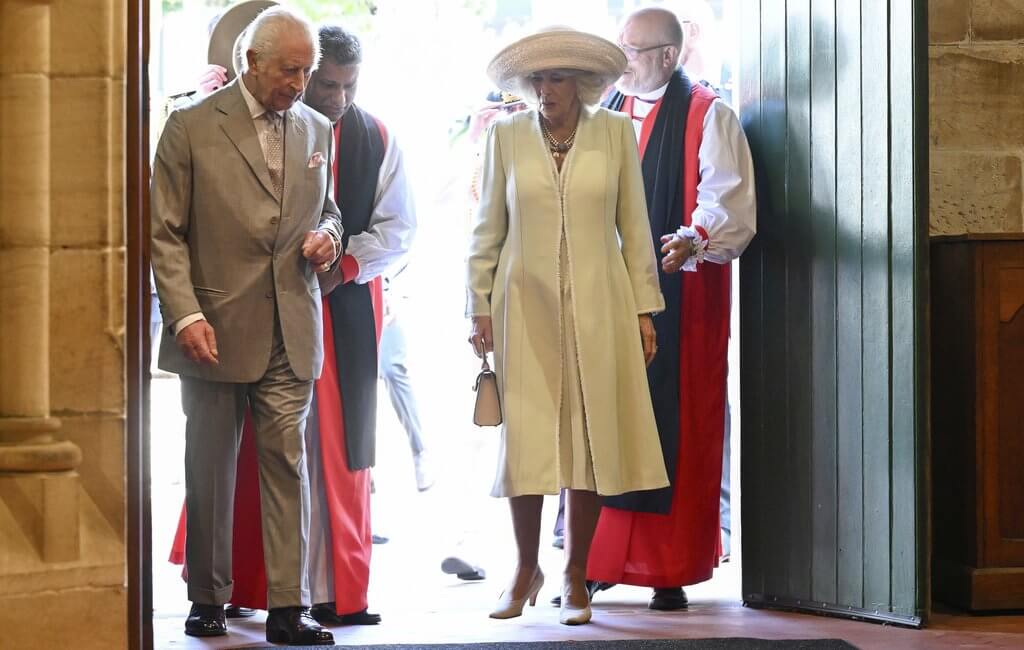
[[513, 276]]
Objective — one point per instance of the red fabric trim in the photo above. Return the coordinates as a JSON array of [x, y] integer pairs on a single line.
[[348, 493], [377, 300], [700, 231], [337, 154], [682, 548], [383, 131], [178, 545], [349, 268]]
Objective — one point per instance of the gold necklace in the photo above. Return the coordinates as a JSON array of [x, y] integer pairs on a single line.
[[558, 149]]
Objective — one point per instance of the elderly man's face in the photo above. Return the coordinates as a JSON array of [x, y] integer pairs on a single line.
[[649, 59], [332, 89], [278, 79]]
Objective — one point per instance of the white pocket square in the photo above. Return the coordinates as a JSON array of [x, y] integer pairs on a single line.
[[317, 160]]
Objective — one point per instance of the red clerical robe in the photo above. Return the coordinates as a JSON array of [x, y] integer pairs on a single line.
[[682, 547]]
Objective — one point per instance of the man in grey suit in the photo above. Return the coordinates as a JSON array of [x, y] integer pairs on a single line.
[[242, 220]]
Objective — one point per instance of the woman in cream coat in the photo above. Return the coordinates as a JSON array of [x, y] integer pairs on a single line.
[[562, 281]]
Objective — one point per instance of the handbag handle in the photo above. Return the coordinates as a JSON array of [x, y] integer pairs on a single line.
[[484, 366], [485, 369]]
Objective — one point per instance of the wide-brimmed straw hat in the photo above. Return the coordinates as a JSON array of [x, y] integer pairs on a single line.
[[226, 37], [556, 48]]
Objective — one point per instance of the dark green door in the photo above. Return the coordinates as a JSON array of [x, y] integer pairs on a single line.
[[834, 101]]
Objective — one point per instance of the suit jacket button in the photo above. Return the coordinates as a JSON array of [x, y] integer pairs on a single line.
[[273, 220], [269, 294]]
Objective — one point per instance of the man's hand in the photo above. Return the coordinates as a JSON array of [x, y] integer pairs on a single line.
[[481, 336], [676, 250], [198, 343], [213, 78], [648, 338], [319, 249]]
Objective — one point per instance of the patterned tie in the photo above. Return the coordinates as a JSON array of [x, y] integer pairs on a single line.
[[275, 152]]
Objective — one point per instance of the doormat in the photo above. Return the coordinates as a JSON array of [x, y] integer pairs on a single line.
[[737, 643]]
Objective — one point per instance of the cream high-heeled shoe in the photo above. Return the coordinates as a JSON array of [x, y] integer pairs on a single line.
[[568, 615], [509, 607]]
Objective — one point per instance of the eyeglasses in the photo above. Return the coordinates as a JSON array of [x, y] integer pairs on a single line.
[[633, 52]]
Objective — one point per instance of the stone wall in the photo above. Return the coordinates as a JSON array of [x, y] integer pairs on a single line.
[[62, 306], [976, 69]]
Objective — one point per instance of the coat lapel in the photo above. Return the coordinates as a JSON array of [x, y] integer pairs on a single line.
[[295, 161], [238, 126]]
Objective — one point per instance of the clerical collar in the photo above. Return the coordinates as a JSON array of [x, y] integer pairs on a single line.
[[653, 96], [256, 109]]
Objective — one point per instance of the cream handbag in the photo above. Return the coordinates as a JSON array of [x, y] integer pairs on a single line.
[[487, 412]]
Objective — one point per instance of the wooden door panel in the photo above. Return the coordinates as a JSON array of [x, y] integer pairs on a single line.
[[1002, 443], [833, 98], [850, 159], [1008, 526]]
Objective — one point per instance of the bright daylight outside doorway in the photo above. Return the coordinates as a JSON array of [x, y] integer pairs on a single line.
[[423, 76]]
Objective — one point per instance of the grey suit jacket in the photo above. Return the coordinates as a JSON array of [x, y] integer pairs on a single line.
[[222, 244]]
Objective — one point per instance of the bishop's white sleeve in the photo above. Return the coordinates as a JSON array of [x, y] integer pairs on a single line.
[[392, 225], [726, 202]]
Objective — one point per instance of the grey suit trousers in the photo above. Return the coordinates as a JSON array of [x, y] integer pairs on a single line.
[[215, 413]]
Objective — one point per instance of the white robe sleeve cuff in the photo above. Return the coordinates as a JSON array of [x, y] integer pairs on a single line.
[[698, 247]]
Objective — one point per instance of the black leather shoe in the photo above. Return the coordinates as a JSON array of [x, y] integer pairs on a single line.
[[593, 586], [669, 599], [234, 611], [295, 626], [327, 614], [206, 620]]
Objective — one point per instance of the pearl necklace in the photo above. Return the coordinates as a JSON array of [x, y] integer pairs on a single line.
[[558, 149]]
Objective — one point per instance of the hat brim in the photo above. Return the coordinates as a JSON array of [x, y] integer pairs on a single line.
[[226, 35], [556, 49]]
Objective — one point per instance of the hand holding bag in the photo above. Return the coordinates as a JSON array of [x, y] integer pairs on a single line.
[[487, 412]]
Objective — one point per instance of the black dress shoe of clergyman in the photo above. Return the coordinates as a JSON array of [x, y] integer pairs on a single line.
[[669, 599], [593, 586], [206, 620], [327, 614], [234, 611], [295, 626]]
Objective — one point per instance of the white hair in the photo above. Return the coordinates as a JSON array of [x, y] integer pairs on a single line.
[[263, 35], [590, 88]]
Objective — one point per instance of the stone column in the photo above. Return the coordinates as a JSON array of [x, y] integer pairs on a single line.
[[38, 481]]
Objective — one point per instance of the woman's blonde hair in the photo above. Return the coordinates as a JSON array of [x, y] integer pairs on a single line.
[[589, 87]]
